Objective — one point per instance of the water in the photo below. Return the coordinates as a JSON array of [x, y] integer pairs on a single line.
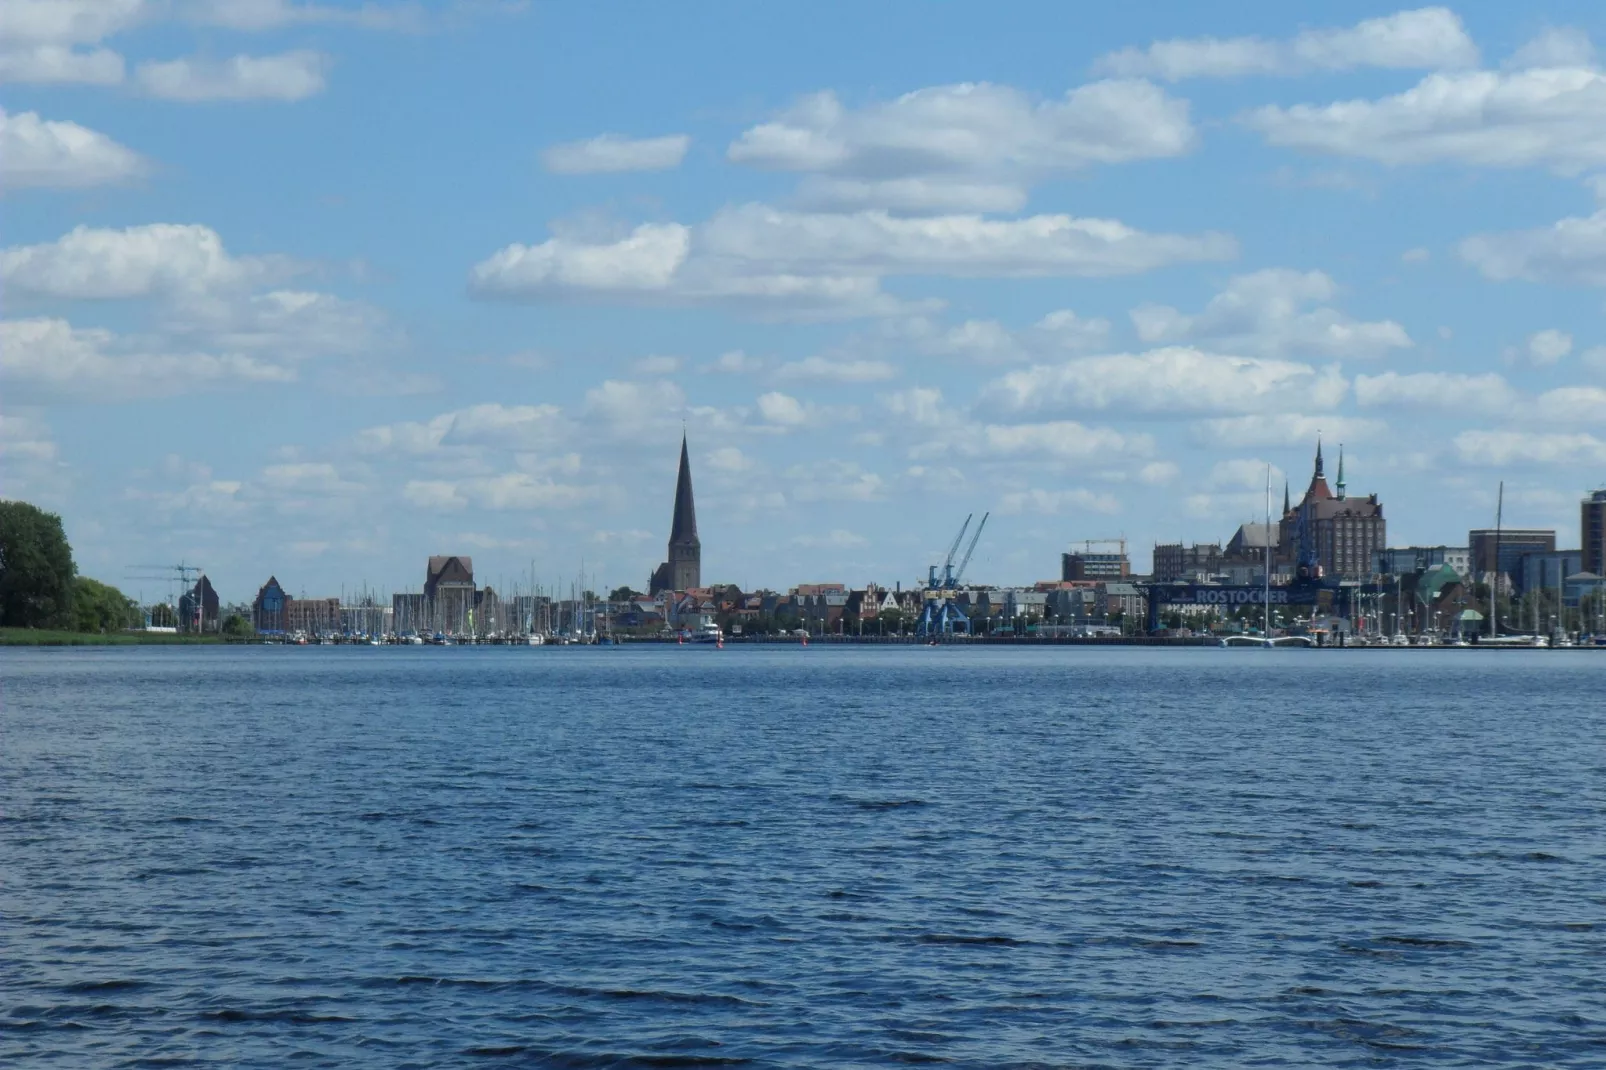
[[782, 857]]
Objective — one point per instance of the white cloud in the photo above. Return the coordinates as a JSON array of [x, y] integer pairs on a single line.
[[991, 342], [834, 481], [918, 405], [837, 371], [1487, 393], [967, 147], [37, 152], [1417, 255], [51, 359], [1159, 473], [656, 364], [782, 409], [1054, 502], [1428, 38], [1571, 250], [1572, 406], [1169, 380], [307, 477], [1061, 440], [780, 262], [509, 491], [728, 459], [93, 263], [610, 153], [965, 246], [1546, 117], [290, 76], [1548, 346], [40, 40], [1267, 313], [1556, 46], [1244, 473], [56, 65], [1286, 429], [1502, 448], [836, 539], [734, 362]]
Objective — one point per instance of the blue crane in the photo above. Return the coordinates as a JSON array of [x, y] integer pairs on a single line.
[[940, 616]]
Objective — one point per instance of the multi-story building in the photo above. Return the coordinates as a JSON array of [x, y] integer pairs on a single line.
[[315, 616], [1174, 561], [1592, 532], [1406, 560], [198, 608], [267, 612], [1331, 533], [1545, 570], [1501, 549], [1092, 566]]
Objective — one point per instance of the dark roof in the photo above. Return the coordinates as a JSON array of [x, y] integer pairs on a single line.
[[684, 527]]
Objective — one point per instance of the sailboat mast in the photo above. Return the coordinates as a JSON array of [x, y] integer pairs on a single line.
[[1494, 582], [1267, 591]]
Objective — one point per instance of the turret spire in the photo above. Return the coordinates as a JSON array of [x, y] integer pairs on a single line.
[[684, 526], [1286, 505], [1318, 456], [1340, 483]]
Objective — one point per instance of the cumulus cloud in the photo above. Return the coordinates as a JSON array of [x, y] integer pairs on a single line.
[[1427, 38], [1571, 250], [958, 148], [1499, 449], [1572, 406], [1058, 440], [1171, 380], [782, 409], [772, 260], [49, 359], [1286, 429], [610, 153], [1268, 313], [290, 76], [1055, 502], [91, 263], [37, 152], [837, 371], [1544, 117], [509, 491], [991, 342], [1548, 346], [1451, 391], [836, 539], [833, 480]]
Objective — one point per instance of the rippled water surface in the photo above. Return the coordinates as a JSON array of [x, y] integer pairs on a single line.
[[385, 857]]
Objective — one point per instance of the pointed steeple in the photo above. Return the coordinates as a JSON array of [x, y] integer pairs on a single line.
[[1340, 483], [684, 527], [1318, 457], [1286, 506]]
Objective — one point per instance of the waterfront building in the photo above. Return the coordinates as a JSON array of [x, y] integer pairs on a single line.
[[1174, 561], [1545, 570], [1248, 546], [1513, 543], [315, 616], [684, 569], [1405, 560], [1329, 532], [198, 608], [449, 591], [267, 611], [1592, 532], [1088, 565]]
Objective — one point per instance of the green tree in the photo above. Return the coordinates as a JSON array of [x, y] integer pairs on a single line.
[[100, 607], [162, 616], [36, 567], [623, 594], [238, 627]]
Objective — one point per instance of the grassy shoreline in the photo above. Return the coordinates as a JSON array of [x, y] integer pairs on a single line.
[[51, 637]]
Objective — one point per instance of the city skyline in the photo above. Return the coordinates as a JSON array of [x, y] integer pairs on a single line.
[[884, 273]]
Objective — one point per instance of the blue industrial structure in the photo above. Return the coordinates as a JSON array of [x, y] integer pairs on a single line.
[[940, 616]]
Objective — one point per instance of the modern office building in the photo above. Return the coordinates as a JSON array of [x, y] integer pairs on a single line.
[[1091, 566], [1513, 543], [1174, 561], [1545, 570], [1592, 532], [1407, 560]]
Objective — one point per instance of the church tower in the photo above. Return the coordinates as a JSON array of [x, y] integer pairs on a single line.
[[684, 569]]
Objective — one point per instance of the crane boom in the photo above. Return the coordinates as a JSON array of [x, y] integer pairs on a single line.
[[974, 539], [948, 562]]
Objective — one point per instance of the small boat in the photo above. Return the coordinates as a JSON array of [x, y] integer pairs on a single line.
[[535, 639], [708, 632]]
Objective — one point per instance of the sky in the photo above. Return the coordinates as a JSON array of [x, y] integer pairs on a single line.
[[318, 290]]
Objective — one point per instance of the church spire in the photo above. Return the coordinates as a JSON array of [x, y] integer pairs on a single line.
[[1286, 506], [1318, 457], [1340, 483], [684, 526]]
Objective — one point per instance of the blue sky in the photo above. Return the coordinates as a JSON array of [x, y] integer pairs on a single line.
[[320, 290]]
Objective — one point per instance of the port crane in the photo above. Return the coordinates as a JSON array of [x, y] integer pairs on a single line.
[[180, 578], [940, 616]]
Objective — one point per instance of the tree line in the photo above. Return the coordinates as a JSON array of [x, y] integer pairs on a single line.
[[39, 582]]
